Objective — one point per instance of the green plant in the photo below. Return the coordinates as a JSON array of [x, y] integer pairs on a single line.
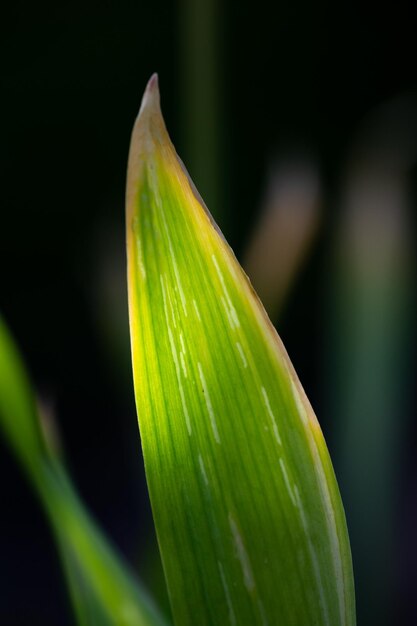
[[248, 515]]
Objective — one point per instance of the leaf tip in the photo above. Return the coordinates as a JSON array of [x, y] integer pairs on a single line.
[[148, 133], [149, 128], [151, 99]]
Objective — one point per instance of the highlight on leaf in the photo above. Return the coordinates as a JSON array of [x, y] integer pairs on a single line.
[[247, 510]]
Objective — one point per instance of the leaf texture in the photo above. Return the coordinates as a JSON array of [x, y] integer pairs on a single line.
[[247, 509]]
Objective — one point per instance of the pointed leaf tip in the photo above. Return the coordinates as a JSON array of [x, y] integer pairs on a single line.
[[153, 82], [148, 133], [151, 99]]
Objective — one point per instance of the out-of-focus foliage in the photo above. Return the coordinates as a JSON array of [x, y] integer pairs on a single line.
[[103, 591], [371, 311], [288, 224]]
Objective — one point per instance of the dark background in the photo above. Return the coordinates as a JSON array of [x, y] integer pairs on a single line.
[[288, 76]]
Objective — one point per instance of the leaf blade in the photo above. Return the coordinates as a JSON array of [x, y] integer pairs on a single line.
[[102, 588], [236, 463]]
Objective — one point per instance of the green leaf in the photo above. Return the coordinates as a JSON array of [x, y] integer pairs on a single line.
[[103, 590], [247, 510]]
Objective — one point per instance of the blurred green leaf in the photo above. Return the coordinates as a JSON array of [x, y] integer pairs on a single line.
[[247, 510], [102, 589], [371, 320]]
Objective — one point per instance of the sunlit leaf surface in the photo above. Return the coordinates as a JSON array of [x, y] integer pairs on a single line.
[[247, 510], [103, 591]]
